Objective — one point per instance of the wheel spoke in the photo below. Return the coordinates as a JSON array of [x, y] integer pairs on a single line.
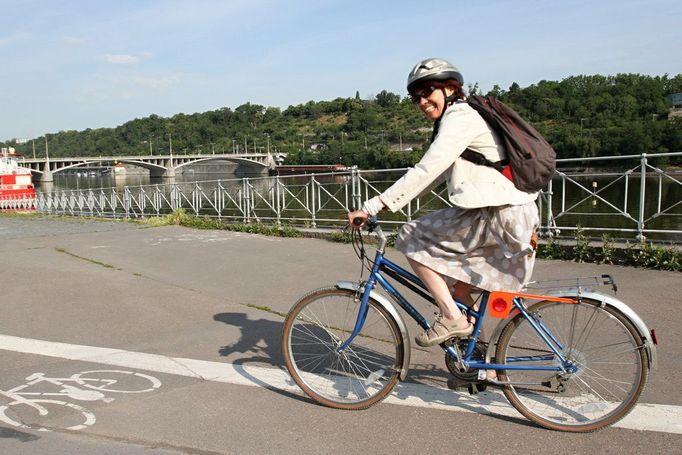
[[363, 372], [608, 373]]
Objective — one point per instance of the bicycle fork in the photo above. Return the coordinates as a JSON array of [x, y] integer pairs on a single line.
[[364, 293]]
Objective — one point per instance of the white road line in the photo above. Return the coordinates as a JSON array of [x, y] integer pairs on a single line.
[[649, 417]]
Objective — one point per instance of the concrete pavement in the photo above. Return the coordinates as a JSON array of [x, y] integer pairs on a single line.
[[214, 297]]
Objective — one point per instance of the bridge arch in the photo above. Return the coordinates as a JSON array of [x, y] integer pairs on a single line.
[[158, 165]]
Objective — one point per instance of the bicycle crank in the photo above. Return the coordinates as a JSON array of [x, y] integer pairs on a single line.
[[464, 374]]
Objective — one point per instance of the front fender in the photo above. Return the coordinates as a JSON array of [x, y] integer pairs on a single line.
[[395, 314]]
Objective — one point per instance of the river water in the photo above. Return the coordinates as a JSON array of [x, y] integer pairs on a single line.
[[588, 201], [86, 179]]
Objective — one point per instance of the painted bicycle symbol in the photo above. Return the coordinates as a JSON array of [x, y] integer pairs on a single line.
[[32, 404]]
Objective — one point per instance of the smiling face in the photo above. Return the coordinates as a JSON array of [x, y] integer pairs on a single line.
[[431, 99]]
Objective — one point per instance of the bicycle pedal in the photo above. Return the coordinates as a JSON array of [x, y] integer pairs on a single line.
[[455, 384]]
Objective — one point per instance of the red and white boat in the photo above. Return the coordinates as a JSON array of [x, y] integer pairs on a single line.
[[16, 182]]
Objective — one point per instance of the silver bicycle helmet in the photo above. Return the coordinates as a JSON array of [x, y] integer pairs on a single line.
[[433, 69]]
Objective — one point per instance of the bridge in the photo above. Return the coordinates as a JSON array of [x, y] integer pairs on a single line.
[[158, 165]]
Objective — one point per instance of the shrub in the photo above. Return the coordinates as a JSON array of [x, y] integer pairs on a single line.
[[582, 252], [606, 255]]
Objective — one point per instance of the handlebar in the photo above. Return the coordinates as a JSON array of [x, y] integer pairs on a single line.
[[371, 224]]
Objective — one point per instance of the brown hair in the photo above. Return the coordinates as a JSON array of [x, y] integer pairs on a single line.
[[457, 87]]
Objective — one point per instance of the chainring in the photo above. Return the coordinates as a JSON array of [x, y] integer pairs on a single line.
[[471, 375]]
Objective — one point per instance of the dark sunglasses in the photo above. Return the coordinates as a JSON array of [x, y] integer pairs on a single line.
[[423, 92]]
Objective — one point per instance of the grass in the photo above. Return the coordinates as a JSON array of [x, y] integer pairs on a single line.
[[644, 254], [267, 309], [180, 217], [92, 261], [580, 249]]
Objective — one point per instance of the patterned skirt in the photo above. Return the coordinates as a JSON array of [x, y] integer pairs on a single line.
[[478, 246]]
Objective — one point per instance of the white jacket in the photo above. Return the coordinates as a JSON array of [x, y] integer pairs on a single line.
[[469, 185]]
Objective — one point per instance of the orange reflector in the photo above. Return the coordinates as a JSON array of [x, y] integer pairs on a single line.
[[500, 304]]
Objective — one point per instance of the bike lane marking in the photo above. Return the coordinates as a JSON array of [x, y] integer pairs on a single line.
[[645, 416]]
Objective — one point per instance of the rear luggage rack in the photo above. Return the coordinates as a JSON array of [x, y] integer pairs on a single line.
[[580, 283]]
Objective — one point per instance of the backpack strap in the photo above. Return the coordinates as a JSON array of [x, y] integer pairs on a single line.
[[470, 154], [478, 158]]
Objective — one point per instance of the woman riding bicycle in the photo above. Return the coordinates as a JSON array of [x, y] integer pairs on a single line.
[[477, 241]]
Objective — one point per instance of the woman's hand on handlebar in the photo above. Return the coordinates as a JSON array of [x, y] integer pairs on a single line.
[[357, 218]]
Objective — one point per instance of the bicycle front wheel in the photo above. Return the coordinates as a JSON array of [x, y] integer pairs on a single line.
[[609, 366], [358, 376]]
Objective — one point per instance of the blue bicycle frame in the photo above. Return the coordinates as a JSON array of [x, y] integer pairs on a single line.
[[402, 275]]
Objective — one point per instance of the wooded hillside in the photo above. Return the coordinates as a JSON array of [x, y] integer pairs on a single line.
[[581, 116]]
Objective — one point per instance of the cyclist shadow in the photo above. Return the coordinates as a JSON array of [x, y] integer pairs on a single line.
[[490, 402], [257, 350], [21, 436], [259, 345]]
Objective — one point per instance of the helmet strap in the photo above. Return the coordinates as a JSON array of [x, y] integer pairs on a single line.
[[449, 100]]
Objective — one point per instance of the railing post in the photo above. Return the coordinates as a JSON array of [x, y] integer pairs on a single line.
[[357, 193], [176, 200], [219, 199], [548, 208], [196, 198], [114, 201], [278, 207], [127, 197], [642, 191], [246, 200], [312, 200]]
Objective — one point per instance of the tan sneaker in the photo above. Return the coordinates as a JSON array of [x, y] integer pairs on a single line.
[[441, 331]]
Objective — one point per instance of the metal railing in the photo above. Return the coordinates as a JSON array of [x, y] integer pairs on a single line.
[[640, 201]]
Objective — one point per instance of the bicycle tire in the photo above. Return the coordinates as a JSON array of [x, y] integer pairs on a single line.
[[607, 350], [356, 378]]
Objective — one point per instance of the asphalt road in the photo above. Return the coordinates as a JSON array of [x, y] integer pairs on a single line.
[[187, 323]]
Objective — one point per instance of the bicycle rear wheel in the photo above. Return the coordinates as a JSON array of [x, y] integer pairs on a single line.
[[360, 375], [606, 350]]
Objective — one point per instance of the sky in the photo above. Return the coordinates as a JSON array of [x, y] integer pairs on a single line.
[[73, 65]]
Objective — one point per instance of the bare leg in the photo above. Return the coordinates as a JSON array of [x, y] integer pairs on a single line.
[[451, 322], [438, 288], [462, 292]]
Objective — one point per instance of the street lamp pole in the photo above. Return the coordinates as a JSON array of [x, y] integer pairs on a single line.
[[47, 151]]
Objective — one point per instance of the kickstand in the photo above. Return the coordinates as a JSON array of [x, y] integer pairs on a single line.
[[474, 388]]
